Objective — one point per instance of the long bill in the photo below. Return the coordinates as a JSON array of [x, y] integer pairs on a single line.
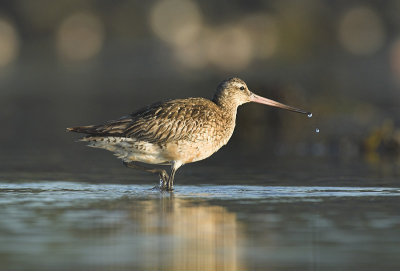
[[258, 99]]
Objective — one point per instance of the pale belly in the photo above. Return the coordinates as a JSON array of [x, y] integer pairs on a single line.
[[189, 152], [129, 149]]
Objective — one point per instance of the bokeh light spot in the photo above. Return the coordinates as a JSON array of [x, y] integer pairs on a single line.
[[395, 60], [192, 55], [229, 48], [262, 30], [9, 43], [177, 22], [80, 37], [361, 31]]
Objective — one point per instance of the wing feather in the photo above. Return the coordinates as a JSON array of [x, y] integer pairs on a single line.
[[161, 122]]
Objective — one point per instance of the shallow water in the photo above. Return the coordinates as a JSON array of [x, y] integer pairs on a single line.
[[85, 226]]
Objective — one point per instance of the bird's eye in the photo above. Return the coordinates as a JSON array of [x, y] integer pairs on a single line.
[[242, 88]]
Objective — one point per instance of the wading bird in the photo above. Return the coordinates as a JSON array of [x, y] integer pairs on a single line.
[[175, 132]]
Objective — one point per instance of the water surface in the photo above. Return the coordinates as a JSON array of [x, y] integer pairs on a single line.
[[84, 226]]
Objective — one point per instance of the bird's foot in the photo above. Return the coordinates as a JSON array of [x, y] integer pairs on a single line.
[[170, 185], [163, 180]]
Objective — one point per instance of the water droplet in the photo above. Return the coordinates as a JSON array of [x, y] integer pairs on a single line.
[[309, 115], [317, 130]]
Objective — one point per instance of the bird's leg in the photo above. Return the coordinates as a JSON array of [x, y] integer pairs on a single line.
[[161, 172], [170, 183], [174, 167]]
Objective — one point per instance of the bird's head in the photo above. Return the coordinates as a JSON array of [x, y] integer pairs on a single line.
[[233, 92]]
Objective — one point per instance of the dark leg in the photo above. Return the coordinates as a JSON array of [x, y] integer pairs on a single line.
[[170, 183], [161, 172]]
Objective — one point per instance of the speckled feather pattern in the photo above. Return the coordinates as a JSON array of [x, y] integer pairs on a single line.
[[175, 132], [185, 129], [182, 130]]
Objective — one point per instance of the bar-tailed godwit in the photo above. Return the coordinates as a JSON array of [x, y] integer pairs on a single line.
[[175, 132]]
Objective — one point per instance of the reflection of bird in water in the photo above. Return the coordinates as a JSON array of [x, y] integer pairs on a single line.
[[175, 132], [201, 236]]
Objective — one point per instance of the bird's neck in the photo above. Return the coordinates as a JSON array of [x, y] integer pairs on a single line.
[[228, 105], [228, 112]]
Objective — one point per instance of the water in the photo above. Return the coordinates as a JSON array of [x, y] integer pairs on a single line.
[[54, 225]]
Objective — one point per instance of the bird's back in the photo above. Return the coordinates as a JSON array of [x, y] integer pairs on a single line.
[[181, 119], [193, 127]]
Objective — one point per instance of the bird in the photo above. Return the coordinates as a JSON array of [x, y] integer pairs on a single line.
[[175, 132]]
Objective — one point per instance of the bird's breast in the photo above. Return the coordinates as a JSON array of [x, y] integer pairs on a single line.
[[199, 143]]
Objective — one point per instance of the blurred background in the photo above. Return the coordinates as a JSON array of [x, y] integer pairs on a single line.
[[77, 62]]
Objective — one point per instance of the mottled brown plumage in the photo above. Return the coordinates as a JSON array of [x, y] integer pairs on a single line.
[[175, 132]]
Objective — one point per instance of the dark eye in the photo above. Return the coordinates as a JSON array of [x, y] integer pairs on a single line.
[[242, 88]]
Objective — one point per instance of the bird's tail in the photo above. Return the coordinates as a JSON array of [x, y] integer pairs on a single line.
[[91, 129]]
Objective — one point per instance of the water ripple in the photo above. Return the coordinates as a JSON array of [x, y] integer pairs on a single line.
[[64, 191]]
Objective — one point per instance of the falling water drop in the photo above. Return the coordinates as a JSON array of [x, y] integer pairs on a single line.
[[309, 115], [317, 130]]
